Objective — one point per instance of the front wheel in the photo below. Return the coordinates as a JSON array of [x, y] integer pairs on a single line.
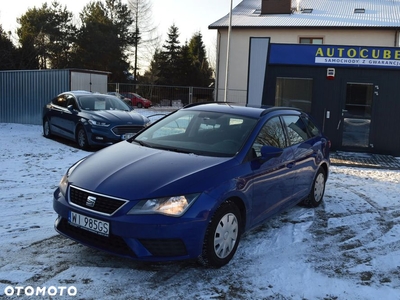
[[317, 191], [81, 138], [222, 236], [46, 129]]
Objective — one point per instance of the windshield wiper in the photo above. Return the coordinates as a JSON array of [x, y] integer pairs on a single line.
[[141, 143]]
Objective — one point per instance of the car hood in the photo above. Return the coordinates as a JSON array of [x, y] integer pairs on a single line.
[[117, 116], [130, 171]]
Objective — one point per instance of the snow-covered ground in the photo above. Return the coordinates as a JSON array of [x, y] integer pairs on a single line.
[[348, 248]]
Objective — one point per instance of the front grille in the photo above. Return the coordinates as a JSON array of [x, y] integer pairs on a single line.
[[103, 204], [112, 243], [119, 130], [165, 247]]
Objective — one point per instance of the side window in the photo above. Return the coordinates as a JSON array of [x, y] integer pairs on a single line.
[[60, 101], [71, 101], [296, 129], [312, 129], [271, 134]]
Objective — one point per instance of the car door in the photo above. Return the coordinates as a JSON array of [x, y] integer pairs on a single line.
[[305, 150], [56, 114], [272, 180], [70, 117], [62, 118]]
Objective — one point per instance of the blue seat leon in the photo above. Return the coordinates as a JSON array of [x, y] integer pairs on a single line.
[[189, 185]]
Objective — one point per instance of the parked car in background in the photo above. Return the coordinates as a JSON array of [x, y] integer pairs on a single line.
[[91, 119], [119, 96], [189, 185], [137, 100]]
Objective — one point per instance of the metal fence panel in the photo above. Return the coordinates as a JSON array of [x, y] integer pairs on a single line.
[[24, 93]]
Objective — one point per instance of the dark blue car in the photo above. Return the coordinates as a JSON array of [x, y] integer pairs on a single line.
[[189, 185], [91, 119]]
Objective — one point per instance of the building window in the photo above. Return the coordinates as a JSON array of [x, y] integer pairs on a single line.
[[311, 40], [294, 92]]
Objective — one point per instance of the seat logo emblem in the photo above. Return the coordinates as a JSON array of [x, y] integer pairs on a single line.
[[91, 201]]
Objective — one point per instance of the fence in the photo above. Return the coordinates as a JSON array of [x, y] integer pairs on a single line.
[[166, 95]]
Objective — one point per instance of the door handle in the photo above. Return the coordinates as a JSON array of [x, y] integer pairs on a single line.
[[290, 165]]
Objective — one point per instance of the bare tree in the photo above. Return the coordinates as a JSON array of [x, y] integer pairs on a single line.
[[145, 40]]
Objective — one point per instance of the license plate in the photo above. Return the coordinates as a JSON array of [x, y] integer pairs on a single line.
[[88, 223], [127, 136]]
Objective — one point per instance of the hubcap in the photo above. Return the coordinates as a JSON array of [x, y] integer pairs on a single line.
[[319, 187], [46, 128], [81, 138], [226, 235]]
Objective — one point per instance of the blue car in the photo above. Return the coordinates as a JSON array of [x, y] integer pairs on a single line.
[[189, 185], [91, 119]]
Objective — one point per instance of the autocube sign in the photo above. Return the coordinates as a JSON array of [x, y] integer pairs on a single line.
[[328, 55]]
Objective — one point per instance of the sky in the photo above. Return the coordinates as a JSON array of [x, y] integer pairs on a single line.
[[190, 16], [347, 248]]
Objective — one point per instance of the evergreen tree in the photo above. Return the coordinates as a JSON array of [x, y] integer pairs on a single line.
[[169, 58], [8, 52], [185, 65], [46, 35], [202, 76], [103, 38]]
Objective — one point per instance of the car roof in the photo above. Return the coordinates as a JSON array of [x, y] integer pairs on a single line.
[[84, 93], [248, 111]]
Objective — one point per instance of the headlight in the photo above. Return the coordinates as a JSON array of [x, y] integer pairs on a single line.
[[98, 123], [171, 206], [63, 185]]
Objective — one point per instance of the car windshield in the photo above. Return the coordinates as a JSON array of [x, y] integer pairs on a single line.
[[199, 132], [101, 102]]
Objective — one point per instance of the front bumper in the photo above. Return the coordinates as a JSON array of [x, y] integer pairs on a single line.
[[98, 136], [139, 237]]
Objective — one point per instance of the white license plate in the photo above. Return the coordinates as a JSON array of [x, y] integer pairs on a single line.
[[127, 136], [88, 223]]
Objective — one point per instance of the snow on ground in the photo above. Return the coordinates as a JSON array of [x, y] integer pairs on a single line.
[[348, 248]]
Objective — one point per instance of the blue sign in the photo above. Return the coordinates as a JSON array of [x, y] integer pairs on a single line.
[[328, 55]]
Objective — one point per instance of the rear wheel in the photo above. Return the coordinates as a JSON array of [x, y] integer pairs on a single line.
[[81, 138], [46, 128], [317, 191], [222, 236]]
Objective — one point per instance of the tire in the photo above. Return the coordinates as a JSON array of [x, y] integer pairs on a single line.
[[222, 236], [81, 138], [316, 195], [46, 129], [139, 105]]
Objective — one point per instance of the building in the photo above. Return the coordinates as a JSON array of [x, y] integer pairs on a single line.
[[337, 59]]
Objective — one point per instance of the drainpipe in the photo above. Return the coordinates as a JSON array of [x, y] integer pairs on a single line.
[[228, 53], [218, 51]]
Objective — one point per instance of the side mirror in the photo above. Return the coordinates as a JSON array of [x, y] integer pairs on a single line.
[[70, 108], [268, 152]]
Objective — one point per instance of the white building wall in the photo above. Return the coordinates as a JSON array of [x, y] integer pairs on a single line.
[[239, 51]]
